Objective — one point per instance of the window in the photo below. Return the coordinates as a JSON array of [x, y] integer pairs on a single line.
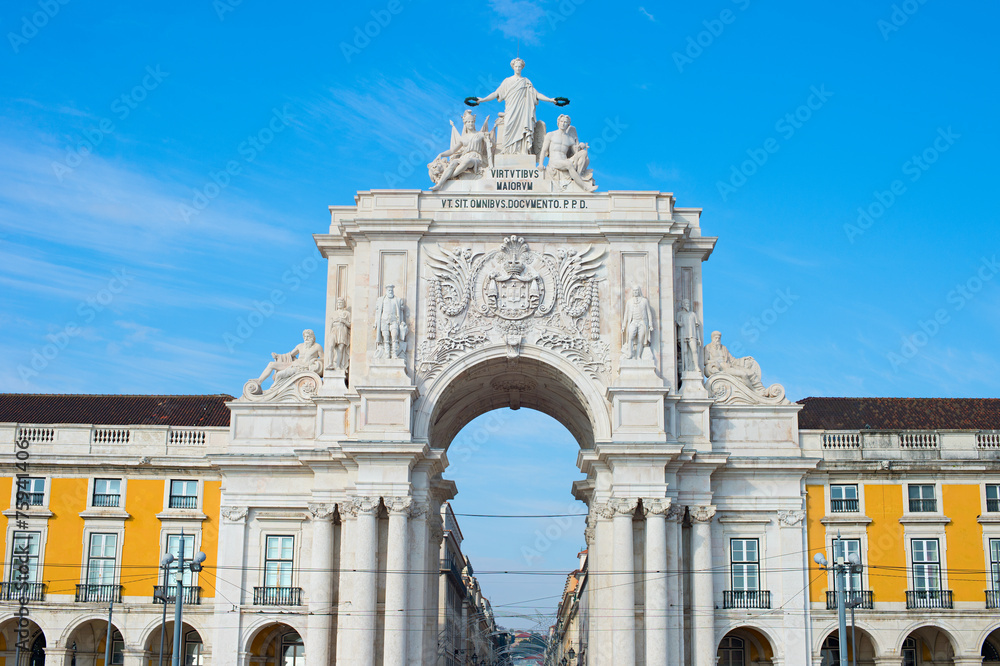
[[174, 548], [193, 649], [995, 564], [831, 651], [101, 560], [24, 557], [30, 492], [183, 495], [909, 652], [844, 499], [926, 564], [922, 498], [107, 492], [278, 561], [117, 648], [746, 564], [844, 548], [293, 653], [731, 652], [993, 497]]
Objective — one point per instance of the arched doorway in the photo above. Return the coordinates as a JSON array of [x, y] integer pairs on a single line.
[[745, 646], [276, 645], [30, 635], [192, 645], [928, 645], [991, 649], [87, 644], [830, 650]]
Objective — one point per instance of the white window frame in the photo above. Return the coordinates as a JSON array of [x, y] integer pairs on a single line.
[[830, 499], [987, 498], [859, 577], [92, 490], [936, 489], [755, 563], [116, 560], [291, 561], [939, 563], [168, 486], [14, 576], [31, 507]]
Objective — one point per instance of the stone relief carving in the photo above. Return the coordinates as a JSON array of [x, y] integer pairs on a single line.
[[702, 514], [418, 509], [790, 518], [568, 158], [514, 295], [513, 384], [637, 326], [689, 334], [602, 510], [296, 374], [656, 506], [390, 325], [322, 511], [362, 505], [398, 504], [675, 513], [234, 514], [737, 381], [340, 336], [623, 505]]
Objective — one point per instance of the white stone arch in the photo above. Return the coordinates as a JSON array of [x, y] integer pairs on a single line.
[[147, 632], [985, 634], [776, 645], [946, 628], [70, 627], [578, 403], [254, 629], [832, 626], [47, 632]]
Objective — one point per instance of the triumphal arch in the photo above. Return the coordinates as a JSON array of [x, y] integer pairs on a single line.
[[513, 281]]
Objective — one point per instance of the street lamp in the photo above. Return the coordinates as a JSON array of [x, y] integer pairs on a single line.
[[165, 562], [842, 571], [194, 566]]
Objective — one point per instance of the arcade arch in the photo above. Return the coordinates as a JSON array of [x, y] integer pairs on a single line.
[[276, 644], [928, 645], [745, 646]]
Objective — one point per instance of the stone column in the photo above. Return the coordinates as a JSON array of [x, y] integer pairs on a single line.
[[418, 580], [675, 582], [434, 619], [397, 556], [231, 580], [346, 622], [365, 579], [704, 650], [135, 656], [623, 580], [56, 656], [656, 581], [600, 644], [320, 622]]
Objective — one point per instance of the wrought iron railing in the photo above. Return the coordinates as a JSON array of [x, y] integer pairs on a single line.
[[183, 502], [192, 594], [14, 590], [99, 593], [929, 599], [844, 506], [746, 599], [277, 596], [923, 505], [993, 599], [106, 499], [860, 599]]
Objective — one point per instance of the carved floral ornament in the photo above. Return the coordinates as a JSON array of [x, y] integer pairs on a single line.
[[703, 514], [790, 518], [322, 511], [514, 295], [234, 514]]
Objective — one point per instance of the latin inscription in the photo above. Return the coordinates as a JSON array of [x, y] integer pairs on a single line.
[[514, 203]]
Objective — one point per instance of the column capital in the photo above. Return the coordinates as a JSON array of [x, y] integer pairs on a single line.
[[362, 505], [790, 518], [401, 505], [658, 506], [703, 514], [234, 514], [435, 528], [623, 505], [600, 510], [675, 513], [419, 509], [322, 511]]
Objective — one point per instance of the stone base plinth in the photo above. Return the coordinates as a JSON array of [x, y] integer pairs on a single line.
[[692, 385], [387, 372], [638, 372]]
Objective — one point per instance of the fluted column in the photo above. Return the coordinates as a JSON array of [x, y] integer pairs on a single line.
[[365, 579], [623, 593], [656, 581], [705, 651], [418, 580], [320, 622], [397, 557], [675, 587]]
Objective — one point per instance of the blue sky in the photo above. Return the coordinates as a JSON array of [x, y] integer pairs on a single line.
[[844, 153]]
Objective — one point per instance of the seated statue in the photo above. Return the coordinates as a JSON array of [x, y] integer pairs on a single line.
[[719, 360], [567, 155], [470, 151], [306, 357]]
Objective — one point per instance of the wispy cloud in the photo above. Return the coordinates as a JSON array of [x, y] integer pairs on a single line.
[[642, 10], [519, 19]]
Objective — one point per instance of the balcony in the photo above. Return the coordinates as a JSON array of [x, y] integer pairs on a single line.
[[192, 594], [844, 506], [929, 599], [106, 500], [992, 505], [923, 505], [993, 599], [31, 499], [183, 502], [277, 596], [746, 599], [13, 591], [861, 599], [99, 593]]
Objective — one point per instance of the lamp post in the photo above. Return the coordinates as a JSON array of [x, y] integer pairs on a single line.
[[841, 571], [165, 565], [194, 566]]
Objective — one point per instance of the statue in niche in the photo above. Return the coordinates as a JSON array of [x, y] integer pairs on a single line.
[[470, 151], [637, 325], [340, 335], [306, 357], [520, 97], [718, 360], [567, 156], [390, 325], [690, 337]]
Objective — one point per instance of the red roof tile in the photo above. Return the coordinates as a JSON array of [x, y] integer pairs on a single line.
[[900, 414], [173, 410]]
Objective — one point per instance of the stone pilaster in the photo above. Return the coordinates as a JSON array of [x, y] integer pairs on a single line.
[[675, 586], [623, 580], [600, 567], [231, 575], [397, 556], [365, 579], [656, 581], [320, 621], [704, 650], [418, 580]]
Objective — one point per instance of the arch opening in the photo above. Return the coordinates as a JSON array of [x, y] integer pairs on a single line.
[[192, 644], [990, 650], [745, 646], [928, 645], [867, 651], [276, 644]]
